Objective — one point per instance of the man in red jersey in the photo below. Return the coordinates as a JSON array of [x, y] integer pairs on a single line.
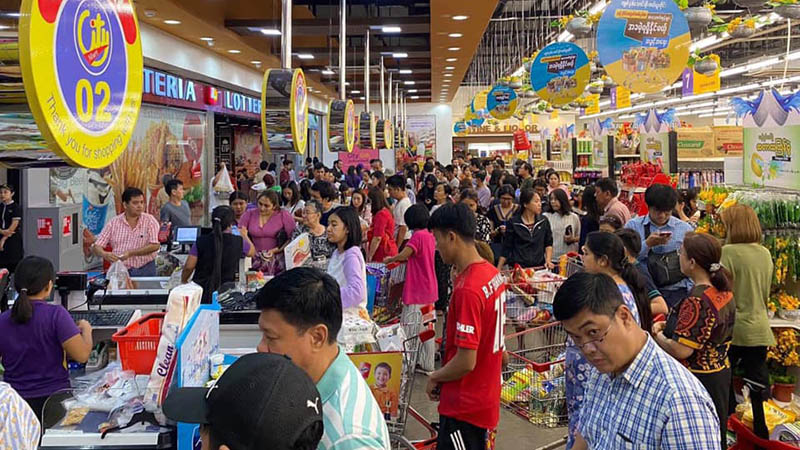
[[468, 385]]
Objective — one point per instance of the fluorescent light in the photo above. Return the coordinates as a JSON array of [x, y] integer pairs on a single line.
[[400, 55], [455, 35], [733, 71], [305, 56], [412, 91], [448, 74], [450, 68], [564, 36], [361, 98], [415, 97], [347, 83], [409, 83], [355, 92], [206, 38], [391, 29], [454, 49], [255, 61], [405, 71], [451, 59], [460, 17], [270, 32], [172, 22], [762, 64], [327, 72], [234, 51]]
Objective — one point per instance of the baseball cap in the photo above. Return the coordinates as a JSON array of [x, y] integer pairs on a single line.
[[262, 401]]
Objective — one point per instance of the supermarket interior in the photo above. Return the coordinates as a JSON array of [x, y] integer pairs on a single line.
[[468, 225]]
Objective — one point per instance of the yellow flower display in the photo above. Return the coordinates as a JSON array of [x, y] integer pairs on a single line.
[[785, 351]]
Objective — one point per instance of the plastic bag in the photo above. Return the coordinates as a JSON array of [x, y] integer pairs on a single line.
[[391, 338], [224, 185], [118, 277]]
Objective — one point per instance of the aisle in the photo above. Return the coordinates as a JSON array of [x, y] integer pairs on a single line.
[[514, 432]]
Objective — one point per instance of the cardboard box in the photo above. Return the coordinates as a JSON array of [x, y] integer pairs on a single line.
[[695, 143], [729, 141]]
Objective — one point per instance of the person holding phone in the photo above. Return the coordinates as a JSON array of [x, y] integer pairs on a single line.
[[500, 214], [565, 224]]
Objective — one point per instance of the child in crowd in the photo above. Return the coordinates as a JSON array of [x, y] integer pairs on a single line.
[[386, 398]]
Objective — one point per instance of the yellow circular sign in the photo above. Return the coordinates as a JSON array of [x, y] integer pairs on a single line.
[[299, 111], [350, 126], [81, 64]]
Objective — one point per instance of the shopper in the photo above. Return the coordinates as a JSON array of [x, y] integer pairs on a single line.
[[380, 238], [751, 265], [484, 193], [347, 264], [132, 235], [239, 410], [268, 227], [338, 174], [426, 194], [662, 236], [301, 315], [292, 203], [321, 248], [606, 192], [610, 224], [483, 227], [11, 250], [528, 240], [699, 329], [19, 427], [259, 176], [500, 216], [420, 289], [441, 195], [639, 394], [540, 186], [378, 180], [686, 209], [214, 258], [359, 201], [590, 220], [286, 174], [525, 175], [564, 224], [397, 190], [376, 165], [467, 386], [352, 179], [176, 211], [452, 179], [239, 204], [326, 194], [36, 336], [633, 245], [554, 181]]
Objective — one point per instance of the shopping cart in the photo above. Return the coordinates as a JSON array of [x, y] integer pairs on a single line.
[[569, 265], [533, 379], [747, 440], [529, 297], [386, 282]]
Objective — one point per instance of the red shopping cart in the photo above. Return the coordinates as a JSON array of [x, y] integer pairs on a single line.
[[747, 440]]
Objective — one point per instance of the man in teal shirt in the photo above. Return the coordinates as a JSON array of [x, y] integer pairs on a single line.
[[301, 315]]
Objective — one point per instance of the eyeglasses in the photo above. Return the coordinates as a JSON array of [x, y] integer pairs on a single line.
[[599, 340]]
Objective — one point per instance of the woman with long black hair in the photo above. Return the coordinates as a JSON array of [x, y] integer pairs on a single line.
[[214, 258]]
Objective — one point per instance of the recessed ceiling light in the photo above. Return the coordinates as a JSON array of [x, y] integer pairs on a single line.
[[391, 29], [361, 98], [234, 51], [347, 83], [455, 35], [451, 59], [305, 56], [460, 17], [270, 32], [409, 83], [206, 38], [414, 97], [172, 22], [150, 13], [454, 49], [355, 92], [400, 55], [448, 74], [449, 68], [256, 62], [405, 71], [412, 91], [327, 72]]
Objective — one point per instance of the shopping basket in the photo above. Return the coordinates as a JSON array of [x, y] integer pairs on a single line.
[[138, 343], [747, 440], [533, 379]]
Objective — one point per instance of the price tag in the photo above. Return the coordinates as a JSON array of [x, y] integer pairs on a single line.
[[81, 64]]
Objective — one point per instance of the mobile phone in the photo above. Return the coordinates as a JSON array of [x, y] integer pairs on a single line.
[[665, 233], [568, 232]]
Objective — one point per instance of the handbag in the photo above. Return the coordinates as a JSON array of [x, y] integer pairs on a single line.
[[665, 268]]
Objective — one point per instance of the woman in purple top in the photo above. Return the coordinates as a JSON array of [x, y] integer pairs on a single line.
[[347, 264], [37, 336], [268, 226]]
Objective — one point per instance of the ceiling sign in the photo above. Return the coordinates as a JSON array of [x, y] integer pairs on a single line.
[[81, 66], [502, 102], [643, 44], [560, 73]]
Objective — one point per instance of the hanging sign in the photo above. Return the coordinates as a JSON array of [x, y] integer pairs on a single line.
[[284, 111], [707, 83], [502, 102], [769, 159], [560, 73], [620, 98], [81, 63], [643, 44], [594, 104]]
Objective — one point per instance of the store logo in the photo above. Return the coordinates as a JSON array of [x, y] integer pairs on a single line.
[[212, 96], [170, 86], [242, 103], [93, 37]]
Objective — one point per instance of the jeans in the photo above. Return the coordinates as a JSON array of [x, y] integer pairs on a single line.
[[147, 270]]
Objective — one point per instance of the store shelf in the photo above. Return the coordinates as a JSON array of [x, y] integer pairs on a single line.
[[780, 323], [701, 160], [626, 156]]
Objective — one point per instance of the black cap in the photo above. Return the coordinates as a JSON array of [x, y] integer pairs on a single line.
[[262, 401]]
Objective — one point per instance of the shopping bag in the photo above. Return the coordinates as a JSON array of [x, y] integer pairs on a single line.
[[224, 185], [118, 277]]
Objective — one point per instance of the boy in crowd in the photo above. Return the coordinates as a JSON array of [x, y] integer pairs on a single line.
[[397, 190], [469, 404]]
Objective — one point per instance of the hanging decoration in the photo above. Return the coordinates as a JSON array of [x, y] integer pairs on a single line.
[[643, 45], [560, 73], [502, 102]]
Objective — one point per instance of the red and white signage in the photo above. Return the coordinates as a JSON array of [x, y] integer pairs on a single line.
[[44, 228]]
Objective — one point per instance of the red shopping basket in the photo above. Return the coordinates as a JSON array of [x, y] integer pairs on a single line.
[[747, 440], [138, 343]]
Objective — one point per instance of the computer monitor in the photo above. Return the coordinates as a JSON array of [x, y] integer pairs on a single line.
[[187, 235]]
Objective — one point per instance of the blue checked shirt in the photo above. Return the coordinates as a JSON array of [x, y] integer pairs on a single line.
[[678, 228], [655, 404]]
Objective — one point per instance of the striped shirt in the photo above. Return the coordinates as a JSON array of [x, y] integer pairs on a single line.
[[19, 428], [350, 414], [122, 238], [656, 403]]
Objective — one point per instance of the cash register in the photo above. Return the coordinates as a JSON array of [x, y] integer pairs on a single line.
[[186, 236]]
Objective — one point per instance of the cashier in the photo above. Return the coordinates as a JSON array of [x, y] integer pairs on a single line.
[[133, 236], [214, 258]]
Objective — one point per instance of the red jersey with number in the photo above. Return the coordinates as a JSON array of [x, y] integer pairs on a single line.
[[475, 321]]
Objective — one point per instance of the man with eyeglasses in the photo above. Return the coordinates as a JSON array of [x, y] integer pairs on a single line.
[[638, 395]]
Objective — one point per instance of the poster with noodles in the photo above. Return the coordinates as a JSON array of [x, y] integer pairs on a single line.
[[247, 150], [422, 135]]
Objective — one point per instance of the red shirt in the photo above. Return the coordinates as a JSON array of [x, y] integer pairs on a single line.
[[383, 227], [475, 321]]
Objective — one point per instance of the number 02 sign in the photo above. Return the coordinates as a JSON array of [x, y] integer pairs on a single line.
[[82, 70]]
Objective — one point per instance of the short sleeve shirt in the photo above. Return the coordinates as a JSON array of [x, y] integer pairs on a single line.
[[20, 428], [122, 238], [704, 322], [399, 212], [475, 322], [179, 216], [421, 287]]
